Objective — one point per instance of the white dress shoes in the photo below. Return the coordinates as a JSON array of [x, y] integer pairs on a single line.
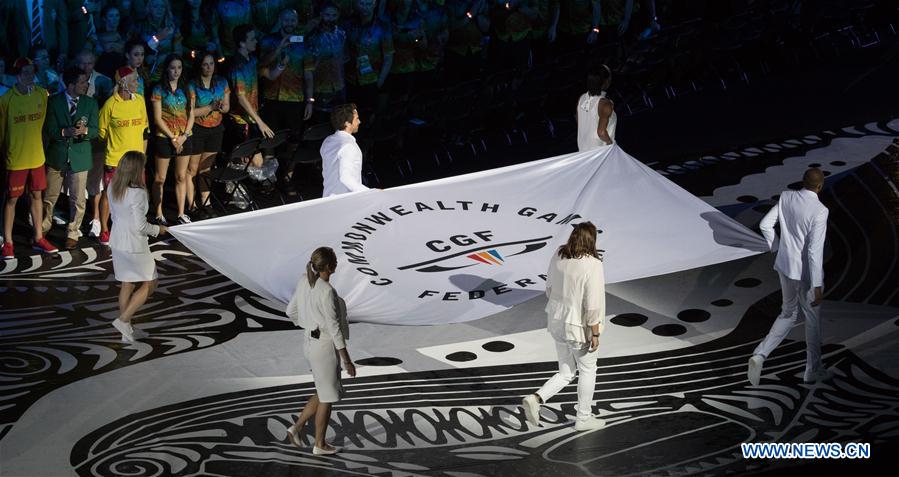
[[316, 450], [125, 329], [531, 409], [755, 369], [589, 424]]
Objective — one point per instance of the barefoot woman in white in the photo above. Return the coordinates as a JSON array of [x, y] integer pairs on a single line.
[[316, 307], [132, 262], [575, 286], [596, 118]]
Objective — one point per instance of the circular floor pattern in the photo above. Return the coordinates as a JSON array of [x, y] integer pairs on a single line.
[[723, 302], [497, 346], [838, 163], [462, 356], [669, 330], [379, 361], [748, 282], [629, 319], [694, 315], [747, 199]]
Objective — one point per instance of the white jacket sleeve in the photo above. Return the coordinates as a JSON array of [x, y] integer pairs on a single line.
[[293, 308], [767, 227], [328, 307], [595, 297], [139, 218], [816, 236], [349, 159]]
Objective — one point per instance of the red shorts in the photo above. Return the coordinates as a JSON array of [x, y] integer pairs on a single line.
[[108, 173], [35, 179]]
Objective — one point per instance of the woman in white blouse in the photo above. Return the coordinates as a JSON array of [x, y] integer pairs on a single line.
[[596, 118], [316, 308], [575, 286], [132, 262]]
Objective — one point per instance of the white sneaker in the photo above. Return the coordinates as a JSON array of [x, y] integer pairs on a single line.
[[589, 424], [95, 228], [57, 220], [531, 409], [139, 334], [755, 369], [126, 330]]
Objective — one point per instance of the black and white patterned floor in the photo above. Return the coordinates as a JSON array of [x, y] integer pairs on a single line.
[[213, 389]]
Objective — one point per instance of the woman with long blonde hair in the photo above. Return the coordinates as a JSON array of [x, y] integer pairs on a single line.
[[575, 286], [318, 309], [132, 262]]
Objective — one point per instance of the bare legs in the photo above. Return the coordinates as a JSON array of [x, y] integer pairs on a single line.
[[322, 413], [181, 187], [132, 297]]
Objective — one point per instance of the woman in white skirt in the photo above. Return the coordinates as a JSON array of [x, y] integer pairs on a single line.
[[596, 118], [316, 308], [132, 262], [575, 286]]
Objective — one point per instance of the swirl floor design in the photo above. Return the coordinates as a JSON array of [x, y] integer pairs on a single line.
[[213, 389]]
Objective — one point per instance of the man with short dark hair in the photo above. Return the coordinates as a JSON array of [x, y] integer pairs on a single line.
[[72, 122], [799, 263], [341, 156]]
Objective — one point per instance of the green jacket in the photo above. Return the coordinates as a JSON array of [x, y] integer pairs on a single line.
[[69, 153]]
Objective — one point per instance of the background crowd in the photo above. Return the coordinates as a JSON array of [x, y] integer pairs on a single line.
[[211, 73]]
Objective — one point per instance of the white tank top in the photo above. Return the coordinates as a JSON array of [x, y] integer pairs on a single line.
[[588, 122]]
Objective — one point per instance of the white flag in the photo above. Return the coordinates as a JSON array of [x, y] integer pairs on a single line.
[[465, 247]]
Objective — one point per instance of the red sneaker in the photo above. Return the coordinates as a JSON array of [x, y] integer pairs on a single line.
[[104, 238], [43, 245], [8, 251]]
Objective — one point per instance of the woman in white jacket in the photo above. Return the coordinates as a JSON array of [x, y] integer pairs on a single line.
[[575, 286], [132, 261], [316, 308]]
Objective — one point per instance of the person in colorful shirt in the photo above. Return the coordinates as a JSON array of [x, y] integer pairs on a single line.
[[244, 82], [22, 112], [577, 22], [512, 23], [226, 16], [210, 100], [293, 85], [134, 59], [123, 125], [469, 24], [435, 26], [328, 42], [174, 120], [408, 38], [160, 33], [196, 29], [370, 47]]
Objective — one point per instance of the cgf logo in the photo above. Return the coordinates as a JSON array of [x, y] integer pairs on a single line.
[[485, 252]]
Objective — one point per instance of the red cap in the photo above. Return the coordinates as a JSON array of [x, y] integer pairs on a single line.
[[123, 72], [21, 63]]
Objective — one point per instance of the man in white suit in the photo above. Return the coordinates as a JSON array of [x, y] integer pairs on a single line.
[[800, 251], [341, 156]]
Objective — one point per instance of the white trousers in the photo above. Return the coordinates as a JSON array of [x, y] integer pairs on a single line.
[[797, 296], [571, 363]]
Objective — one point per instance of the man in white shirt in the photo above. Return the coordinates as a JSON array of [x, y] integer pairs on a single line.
[[799, 262], [341, 156]]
